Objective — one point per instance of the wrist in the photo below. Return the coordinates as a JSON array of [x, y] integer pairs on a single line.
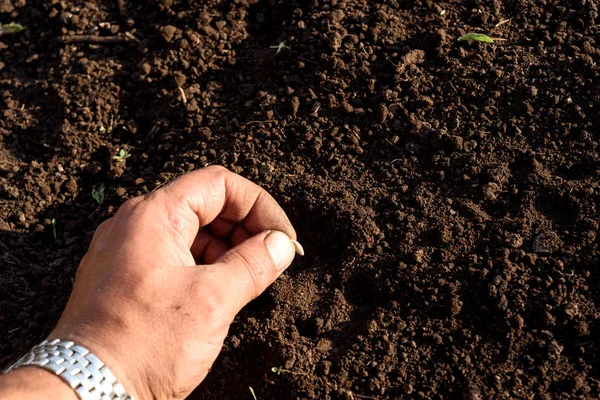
[[120, 361], [34, 383]]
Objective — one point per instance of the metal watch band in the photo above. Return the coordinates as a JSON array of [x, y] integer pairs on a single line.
[[80, 369]]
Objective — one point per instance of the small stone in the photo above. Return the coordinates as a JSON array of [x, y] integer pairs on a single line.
[[265, 169], [515, 241], [455, 305], [382, 114], [180, 79], [295, 105], [192, 106], [519, 322], [334, 41], [532, 91], [491, 191], [554, 348], [407, 388], [571, 310], [6, 6], [456, 143], [71, 186], [418, 256], [168, 33], [338, 15], [413, 57], [145, 68], [472, 393], [325, 367]]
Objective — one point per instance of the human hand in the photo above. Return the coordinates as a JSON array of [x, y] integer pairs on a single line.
[[164, 278]]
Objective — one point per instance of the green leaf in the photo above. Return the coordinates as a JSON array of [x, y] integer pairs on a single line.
[[98, 193], [122, 155], [12, 28], [479, 37], [53, 222]]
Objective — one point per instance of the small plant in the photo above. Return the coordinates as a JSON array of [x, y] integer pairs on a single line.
[[53, 223], [478, 37], [122, 155], [111, 124], [279, 370], [98, 193], [279, 47], [11, 28], [252, 391]]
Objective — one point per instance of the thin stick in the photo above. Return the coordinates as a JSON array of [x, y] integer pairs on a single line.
[[126, 37], [506, 21], [258, 122], [363, 397], [308, 61]]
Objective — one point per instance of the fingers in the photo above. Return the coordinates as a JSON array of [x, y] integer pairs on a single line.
[[248, 269], [207, 248], [196, 199]]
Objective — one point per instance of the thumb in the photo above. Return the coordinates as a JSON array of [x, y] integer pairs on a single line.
[[252, 266]]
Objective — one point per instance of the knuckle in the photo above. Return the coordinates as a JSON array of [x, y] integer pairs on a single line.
[[178, 216], [217, 169], [102, 227], [129, 206]]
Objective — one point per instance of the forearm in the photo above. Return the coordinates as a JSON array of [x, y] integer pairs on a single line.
[[33, 383]]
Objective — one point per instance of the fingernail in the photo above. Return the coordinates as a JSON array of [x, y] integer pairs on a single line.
[[298, 247], [280, 248]]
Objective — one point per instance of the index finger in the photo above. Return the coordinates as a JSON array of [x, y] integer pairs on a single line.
[[211, 192]]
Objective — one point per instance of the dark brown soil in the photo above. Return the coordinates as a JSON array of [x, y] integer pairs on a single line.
[[447, 193]]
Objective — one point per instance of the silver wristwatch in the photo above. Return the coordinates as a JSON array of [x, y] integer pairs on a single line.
[[80, 369]]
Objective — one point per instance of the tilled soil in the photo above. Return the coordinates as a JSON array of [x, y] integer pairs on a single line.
[[447, 194]]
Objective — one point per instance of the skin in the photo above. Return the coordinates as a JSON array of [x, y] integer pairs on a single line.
[[163, 280]]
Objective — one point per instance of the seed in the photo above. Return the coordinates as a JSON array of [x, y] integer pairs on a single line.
[[298, 247]]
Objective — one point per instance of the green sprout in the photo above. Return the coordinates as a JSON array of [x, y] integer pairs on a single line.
[[98, 193], [122, 155], [479, 37], [252, 391], [279, 370], [111, 124], [11, 28], [53, 222], [279, 47]]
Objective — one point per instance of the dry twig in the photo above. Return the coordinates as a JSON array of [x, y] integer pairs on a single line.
[[93, 39]]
